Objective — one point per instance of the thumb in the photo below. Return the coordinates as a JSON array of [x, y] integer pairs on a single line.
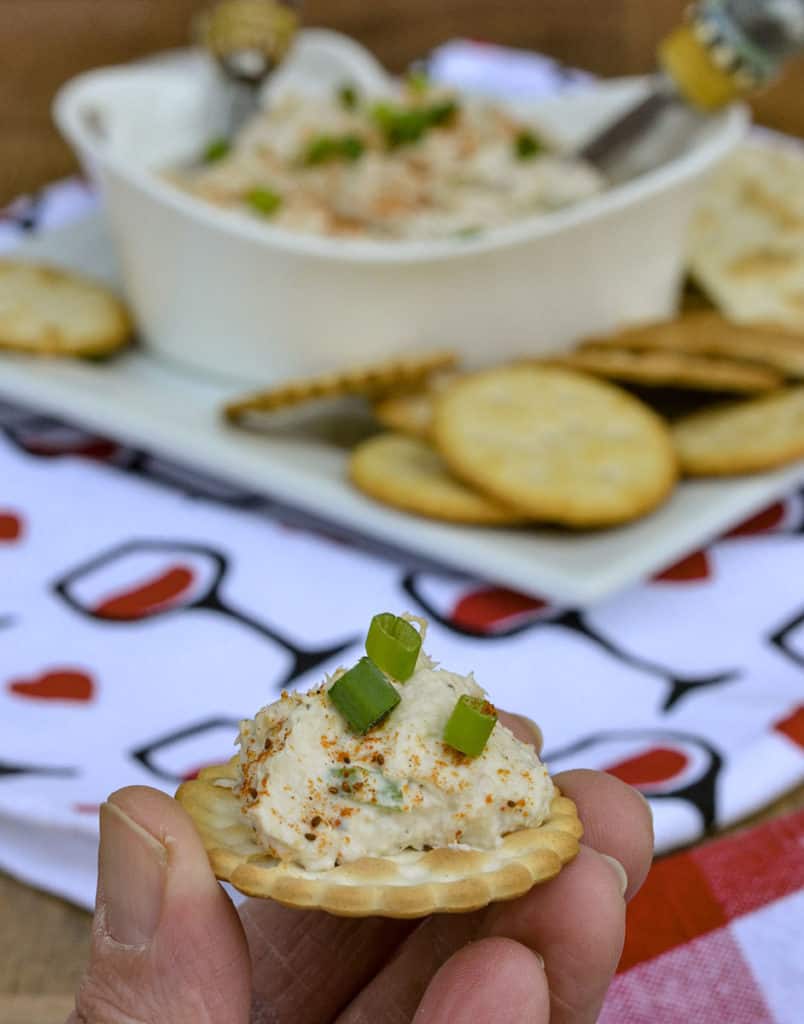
[[493, 981], [167, 944]]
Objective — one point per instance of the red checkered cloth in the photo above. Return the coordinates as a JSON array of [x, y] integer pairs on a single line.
[[716, 935]]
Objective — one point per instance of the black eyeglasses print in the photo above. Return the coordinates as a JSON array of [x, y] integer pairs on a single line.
[[700, 792], [178, 577], [574, 622]]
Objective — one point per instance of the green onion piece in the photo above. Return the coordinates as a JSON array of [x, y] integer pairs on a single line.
[[418, 82], [443, 112], [363, 696], [470, 725], [347, 97], [352, 147], [526, 145], [319, 151], [330, 147], [216, 150], [394, 645], [403, 126], [367, 786], [263, 201]]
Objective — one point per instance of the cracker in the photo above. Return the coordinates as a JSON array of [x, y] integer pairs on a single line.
[[412, 413], [408, 473], [409, 885], [560, 446], [746, 243], [51, 312], [372, 381], [743, 437], [708, 333], [670, 369]]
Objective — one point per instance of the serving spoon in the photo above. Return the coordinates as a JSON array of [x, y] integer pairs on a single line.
[[727, 49], [248, 40]]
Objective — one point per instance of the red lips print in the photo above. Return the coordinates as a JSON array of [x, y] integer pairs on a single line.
[[10, 527], [156, 594], [763, 522], [692, 569], [57, 684], [657, 765], [487, 610]]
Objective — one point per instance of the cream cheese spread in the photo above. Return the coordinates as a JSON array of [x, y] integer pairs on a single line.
[[462, 176], [319, 795]]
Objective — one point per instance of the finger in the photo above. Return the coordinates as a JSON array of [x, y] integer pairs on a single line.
[[167, 944], [306, 966], [578, 917], [523, 728], [287, 946], [495, 981], [616, 820], [575, 923]]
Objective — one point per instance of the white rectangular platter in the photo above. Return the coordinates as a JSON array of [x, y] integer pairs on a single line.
[[138, 399]]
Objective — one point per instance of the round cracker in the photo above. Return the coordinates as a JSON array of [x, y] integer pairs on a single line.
[[560, 446], [370, 381], [52, 312], [408, 473], [407, 414], [708, 333], [412, 413], [743, 437], [409, 885], [670, 369]]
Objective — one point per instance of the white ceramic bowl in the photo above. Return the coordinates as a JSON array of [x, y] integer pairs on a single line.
[[214, 291]]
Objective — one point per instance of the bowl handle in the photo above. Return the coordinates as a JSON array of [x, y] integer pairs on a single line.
[[322, 60]]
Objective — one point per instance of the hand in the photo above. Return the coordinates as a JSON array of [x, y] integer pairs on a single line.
[[170, 948]]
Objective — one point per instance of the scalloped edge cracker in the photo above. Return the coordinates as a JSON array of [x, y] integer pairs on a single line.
[[560, 446], [409, 885], [742, 437], [46, 311], [408, 473], [661, 368], [708, 333], [412, 413], [372, 381]]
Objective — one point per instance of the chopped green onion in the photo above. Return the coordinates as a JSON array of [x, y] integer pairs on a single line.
[[443, 112], [418, 82], [352, 147], [402, 126], [470, 725], [394, 645], [264, 201], [363, 696], [367, 786], [526, 145], [347, 97], [216, 150], [330, 147]]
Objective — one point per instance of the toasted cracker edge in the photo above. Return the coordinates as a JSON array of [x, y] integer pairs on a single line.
[[374, 887]]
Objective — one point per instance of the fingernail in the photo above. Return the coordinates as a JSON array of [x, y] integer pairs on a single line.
[[132, 871], [536, 732], [619, 871], [539, 957]]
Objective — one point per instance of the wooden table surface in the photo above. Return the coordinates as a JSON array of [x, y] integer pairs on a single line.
[[44, 942]]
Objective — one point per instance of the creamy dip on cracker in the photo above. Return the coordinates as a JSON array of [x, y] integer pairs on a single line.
[[319, 795], [425, 164]]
